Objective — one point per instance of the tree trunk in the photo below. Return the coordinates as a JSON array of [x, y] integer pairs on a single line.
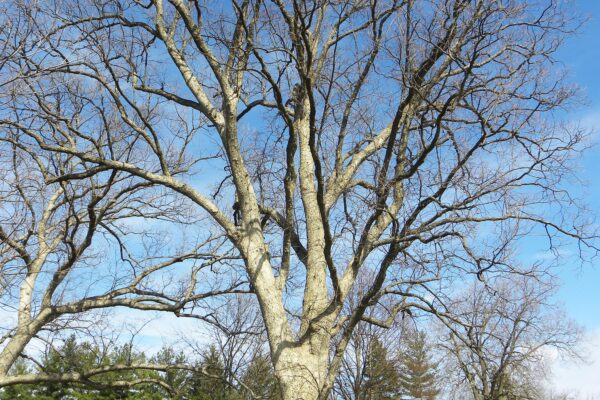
[[11, 351], [24, 332], [302, 371]]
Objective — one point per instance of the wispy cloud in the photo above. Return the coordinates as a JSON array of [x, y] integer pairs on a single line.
[[592, 120], [580, 378], [589, 121], [154, 330]]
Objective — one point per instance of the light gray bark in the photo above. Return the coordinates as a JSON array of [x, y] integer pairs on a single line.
[[389, 115]]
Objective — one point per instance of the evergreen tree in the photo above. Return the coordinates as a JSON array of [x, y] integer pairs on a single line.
[[261, 379], [381, 376], [70, 357], [18, 392], [214, 386], [177, 379], [417, 374], [75, 357]]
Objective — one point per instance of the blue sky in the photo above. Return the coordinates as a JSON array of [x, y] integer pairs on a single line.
[[581, 56], [580, 290], [580, 284]]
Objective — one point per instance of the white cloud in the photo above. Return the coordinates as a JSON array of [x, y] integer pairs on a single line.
[[580, 378], [591, 121], [153, 330]]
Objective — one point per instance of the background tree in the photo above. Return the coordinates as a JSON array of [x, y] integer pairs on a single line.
[[62, 230], [417, 372], [22, 392], [499, 343], [204, 378], [370, 365], [317, 139], [179, 380], [381, 375], [214, 386], [73, 356], [261, 379]]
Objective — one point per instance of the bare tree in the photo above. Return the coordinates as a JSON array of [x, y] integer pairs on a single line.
[[236, 332], [353, 381], [320, 138], [505, 334], [55, 241]]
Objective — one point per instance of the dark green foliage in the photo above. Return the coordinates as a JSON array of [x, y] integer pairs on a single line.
[[73, 356], [21, 392], [213, 387], [416, 371], [260, 378], [177, 379], [76, 357], [381, 377]]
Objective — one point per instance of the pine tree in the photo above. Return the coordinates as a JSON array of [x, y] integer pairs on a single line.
[[214, 386], [70, 357], [177, 379], [18, 392], [261, 379], [417, 374], [74, 357], [381, 376]]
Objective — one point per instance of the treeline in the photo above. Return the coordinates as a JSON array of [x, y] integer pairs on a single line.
[[206, 378], [380, 375], [492, 350]]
